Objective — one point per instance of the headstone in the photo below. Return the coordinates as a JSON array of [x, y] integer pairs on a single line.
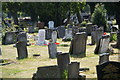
[[108, 71], [104, 57], [73, 70], [99, 33], [63, 60], [41, 37], [40, 25], [61, 31], [9, 38], [22, 49], [22, 37], [52, 48], [54, 36], [78, 44], [31, 29], [93, 35], [68, 34], [89, 28], [51, 24], [48, 72], [103, 45], [48, 34]]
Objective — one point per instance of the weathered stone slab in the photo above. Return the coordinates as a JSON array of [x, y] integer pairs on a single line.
[[52, 48], [108, 71], [22, 50], [104, 57], [78, 44], [73, 70], [47, 72]]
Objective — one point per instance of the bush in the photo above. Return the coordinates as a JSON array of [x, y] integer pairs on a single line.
[[99, 16]]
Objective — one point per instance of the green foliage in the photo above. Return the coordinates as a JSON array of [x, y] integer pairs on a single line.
[[65, 74], [99, 15], [114, 37], [83, 23]]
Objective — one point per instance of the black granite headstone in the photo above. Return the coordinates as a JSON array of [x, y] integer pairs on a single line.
[[61, 31], [48, 72], [108, 71], [22, 50]]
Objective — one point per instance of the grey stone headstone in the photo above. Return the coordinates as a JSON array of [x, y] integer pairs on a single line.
[[22, 50], [9, 38], [52, 48], [61, 31], [54, 37], [22, 37], [48, 34], [104, 57], [93, 35], [73, 70], [68, 33], [108, 71], [103, 45], [78, 44], [89, 28], [48, 72], [63, 60], [31, 29]]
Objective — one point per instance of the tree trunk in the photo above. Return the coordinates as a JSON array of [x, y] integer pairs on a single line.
[[79, 16], [15, 17]]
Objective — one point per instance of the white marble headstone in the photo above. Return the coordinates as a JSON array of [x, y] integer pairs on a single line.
[[68, 33], [41, 37], [54, 36], [51, 24]]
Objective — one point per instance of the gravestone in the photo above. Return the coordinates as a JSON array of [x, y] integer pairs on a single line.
[[54, 36], [104, 57], [63, 60], [99, 33], [48, 33], [52, 48], [103, 45], [93, 34], [73, 70], [22, 37], [40, 25], [68, 34], [48, 72], [61, 31], [9, 38], [108, 71], [41, 37], [31, 29], [51, 24], [89, 28], [78, 44], [22, 49]]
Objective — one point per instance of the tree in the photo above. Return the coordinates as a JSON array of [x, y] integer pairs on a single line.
[[13, 8], [99, 16]]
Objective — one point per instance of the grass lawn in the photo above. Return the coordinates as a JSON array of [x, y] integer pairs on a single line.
[[26, 67]]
